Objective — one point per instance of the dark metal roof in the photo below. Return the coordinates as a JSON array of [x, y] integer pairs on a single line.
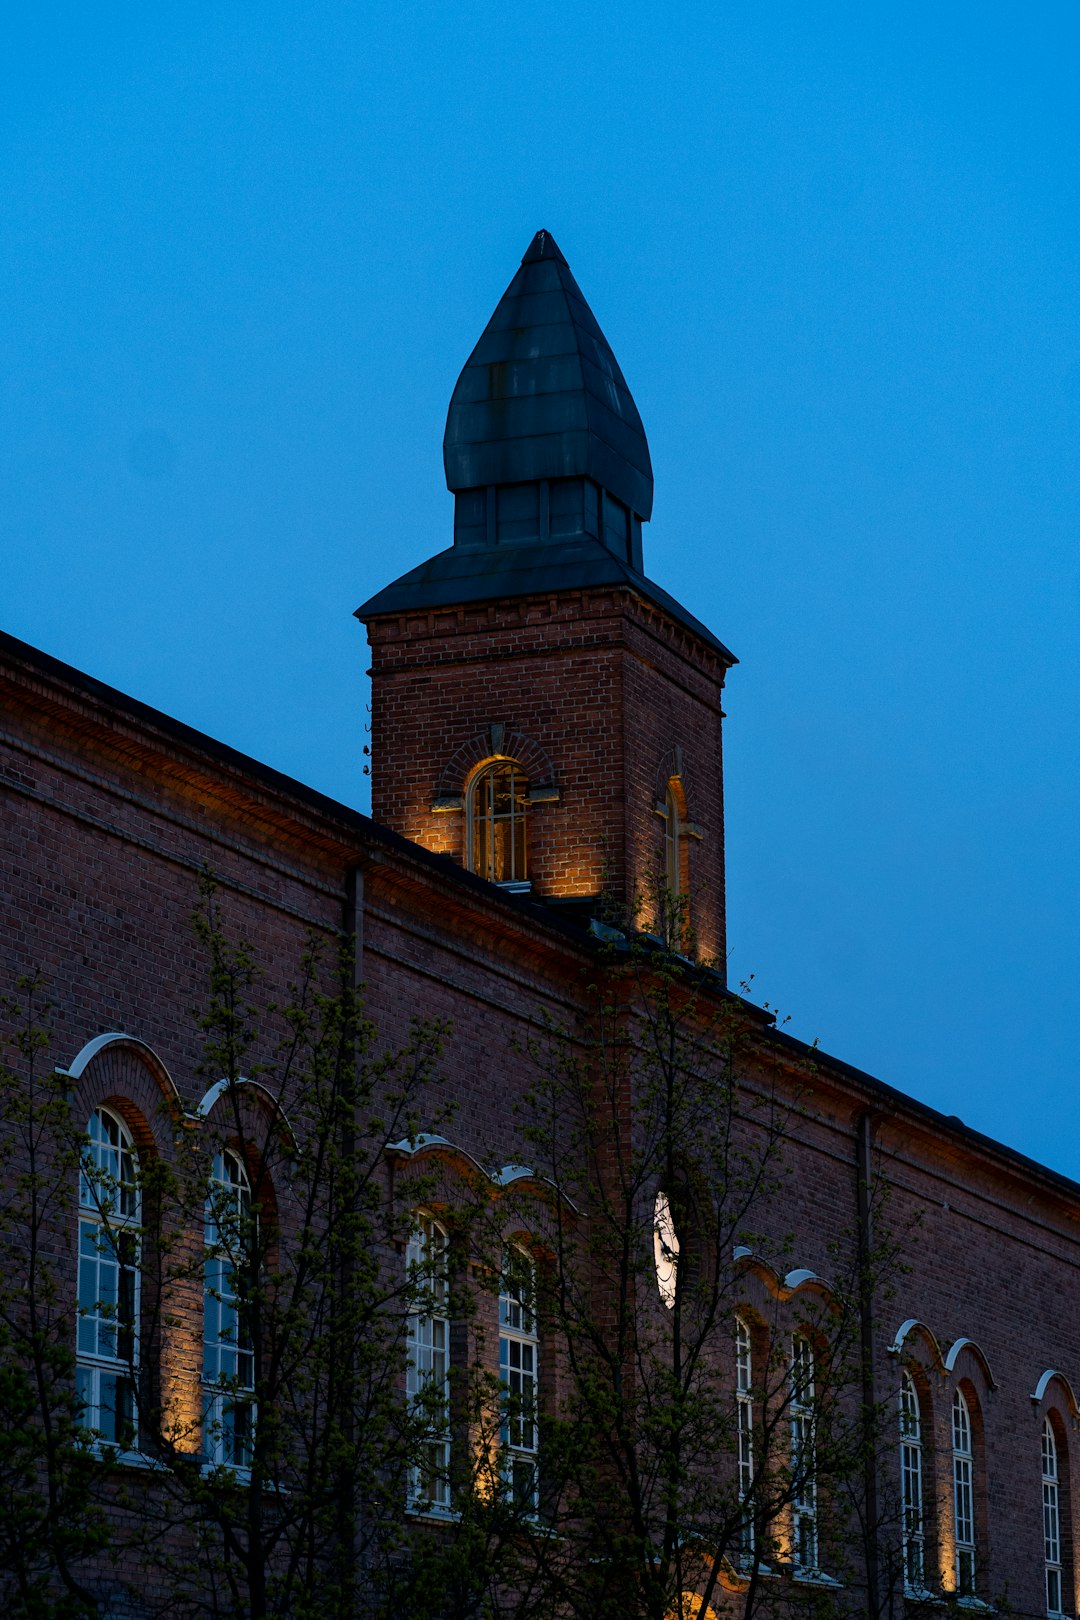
[[542, 396], [459, 575]]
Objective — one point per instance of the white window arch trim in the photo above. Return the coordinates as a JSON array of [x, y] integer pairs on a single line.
[[229, 1407], [108, 1288], [519, 1374], [427, 1378]]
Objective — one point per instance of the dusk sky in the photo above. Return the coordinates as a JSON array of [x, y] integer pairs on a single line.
[[246, 248]]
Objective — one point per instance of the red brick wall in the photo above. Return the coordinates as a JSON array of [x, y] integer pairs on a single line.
[[605, 687], [105, 824]]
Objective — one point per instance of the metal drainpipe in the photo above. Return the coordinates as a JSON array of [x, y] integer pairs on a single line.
[[863, 1151], [348, 1508]]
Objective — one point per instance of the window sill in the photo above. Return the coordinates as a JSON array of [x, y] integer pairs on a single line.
[[815, 1577], [124, 1456], [432, 1513]]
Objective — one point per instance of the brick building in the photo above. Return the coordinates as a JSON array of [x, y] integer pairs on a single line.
[[546, 741]]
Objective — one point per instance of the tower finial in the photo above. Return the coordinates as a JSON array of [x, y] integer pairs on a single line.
[[542, 398], [542, 246]]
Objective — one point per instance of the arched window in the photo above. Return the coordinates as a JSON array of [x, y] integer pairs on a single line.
[[107, 1339], [519, 1355], [428, 1367], [744, 1412], [674, 833], [665, 1249], [228, 1351], [497, 804], [963, 1496], [1051, 1505], [911, 1487], [803, 1455]]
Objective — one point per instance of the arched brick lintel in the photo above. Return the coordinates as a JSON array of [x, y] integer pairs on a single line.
[[496, 742], [132, 1043]]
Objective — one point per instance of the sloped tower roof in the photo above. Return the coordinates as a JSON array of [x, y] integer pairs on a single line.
[[546, 455], [542, 395]]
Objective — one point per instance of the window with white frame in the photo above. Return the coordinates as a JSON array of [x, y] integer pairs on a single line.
[[107, 1335], [1051, 1506], [913, 1529], [519, 1351], [497, 805], [803, 1456], [228, 1352], [744, 1412], [428, 1365], [963, 1496]]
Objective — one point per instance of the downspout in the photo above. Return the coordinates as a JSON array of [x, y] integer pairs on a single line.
[[865, 1227], [349, 1508]]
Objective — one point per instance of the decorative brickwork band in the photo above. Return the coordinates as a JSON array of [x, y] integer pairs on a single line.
[[496, 741]]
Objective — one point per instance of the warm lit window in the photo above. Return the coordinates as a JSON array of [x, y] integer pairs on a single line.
[[498, 800], [228, 1352], [107, 1340], [803, 1457], [963, 1496], [911, 1486], [518, 1373], [673, 841], [744, 1408], [428, 1367], [1051, 1504], [665, 1249]]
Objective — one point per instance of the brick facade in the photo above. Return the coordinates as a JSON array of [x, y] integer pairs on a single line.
[[605, 692]]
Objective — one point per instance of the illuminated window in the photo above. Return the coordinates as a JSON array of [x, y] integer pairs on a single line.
[[228, 1351], [665, 1249], [1051, 1503], [107, 1336], [497, 804], [744, 1404], [674, 821], [803, 1456], [911, 1486], [428, 1365], [519, 1351], [963, 1496]]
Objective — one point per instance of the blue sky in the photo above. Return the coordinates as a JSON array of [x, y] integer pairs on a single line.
[[245, 249]]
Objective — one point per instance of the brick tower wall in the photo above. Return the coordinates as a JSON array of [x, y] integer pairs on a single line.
[[599, 695]]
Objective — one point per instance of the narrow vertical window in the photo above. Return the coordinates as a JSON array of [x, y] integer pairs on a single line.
[[673, 836], [963, 1496], [744, 1411], [803, 1458], [665, 1249], [1051, 1505], [911, 1486], [228, 1350], [428, 1365], [107, 1337], [518, 1372], [498, 801]]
